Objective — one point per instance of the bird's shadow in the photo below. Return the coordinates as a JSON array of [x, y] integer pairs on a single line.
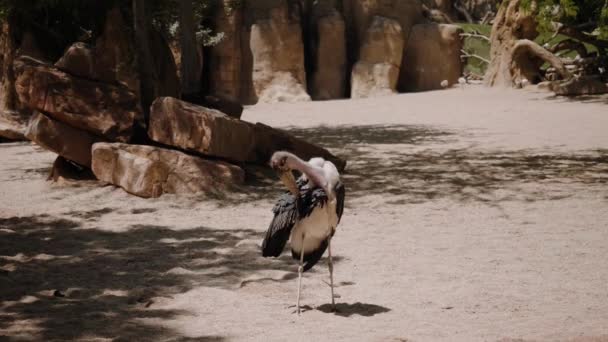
[[347, 310]]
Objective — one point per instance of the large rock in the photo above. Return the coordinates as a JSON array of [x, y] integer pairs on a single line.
[[377, 71], [580, 86], [269, 140], [278, 57], [432, 56], [148, 171], [329, 77], [225, 58], [199, 129], [114, 53], [71, 143], [104, 109], [211, 133], [12, 125], [359, 15]]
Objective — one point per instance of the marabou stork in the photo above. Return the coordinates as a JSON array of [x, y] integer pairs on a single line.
[[307, 215]]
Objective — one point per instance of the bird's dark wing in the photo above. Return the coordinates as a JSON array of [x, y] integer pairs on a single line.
[[340, 195], [285, 217]]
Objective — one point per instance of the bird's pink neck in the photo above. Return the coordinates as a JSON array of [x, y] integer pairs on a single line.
[[314, 174]]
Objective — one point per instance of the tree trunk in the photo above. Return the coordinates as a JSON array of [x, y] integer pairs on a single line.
[[190, 62], [149, 78], [8, 97], [510, 25], [524, 55]]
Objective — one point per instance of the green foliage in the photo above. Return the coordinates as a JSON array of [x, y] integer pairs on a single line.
[[591, 15]]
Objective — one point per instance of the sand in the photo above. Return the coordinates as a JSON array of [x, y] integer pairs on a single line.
[[472, 215]]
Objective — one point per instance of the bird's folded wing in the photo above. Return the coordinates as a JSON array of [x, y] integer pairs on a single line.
[[285, 216], [340, 195]]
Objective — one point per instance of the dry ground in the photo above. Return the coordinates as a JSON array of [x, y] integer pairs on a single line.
[[472, 215]]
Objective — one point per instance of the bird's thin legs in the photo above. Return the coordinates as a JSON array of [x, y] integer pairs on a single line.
[[300, 270], [331, 275]]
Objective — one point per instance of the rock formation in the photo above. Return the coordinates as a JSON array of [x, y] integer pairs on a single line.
[[330, 56], [211, 133], [149, 171], [432, 57], [278, 57], [66, 141], [377, 71], [103, 109]]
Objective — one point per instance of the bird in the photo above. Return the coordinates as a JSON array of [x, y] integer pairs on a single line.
[[307, 214]]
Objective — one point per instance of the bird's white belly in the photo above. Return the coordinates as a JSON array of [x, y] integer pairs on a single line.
[[311, 231]]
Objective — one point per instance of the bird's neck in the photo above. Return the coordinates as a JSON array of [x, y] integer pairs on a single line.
[[314, 174]]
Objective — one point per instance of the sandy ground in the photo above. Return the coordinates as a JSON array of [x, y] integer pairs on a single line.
[[472, 215]]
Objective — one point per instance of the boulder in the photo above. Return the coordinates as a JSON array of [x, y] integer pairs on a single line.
[[373, 79], [432, 56], [269, 140], [199, 129], [71, 143], [278, 57], [225, 58], [580, 86], [114, 53], [377, 71], [12, 125], [225, 105], [329, 77], [359, 15], [79, 60], [64, 169], [211, 133], [149, 171], [103, 109]]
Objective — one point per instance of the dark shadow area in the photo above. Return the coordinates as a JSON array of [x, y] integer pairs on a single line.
[[389, 161], [601, 99], [347, 310], [75, 283]]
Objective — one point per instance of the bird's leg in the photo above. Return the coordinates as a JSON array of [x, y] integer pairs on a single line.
[[331, 274], [300, 270]]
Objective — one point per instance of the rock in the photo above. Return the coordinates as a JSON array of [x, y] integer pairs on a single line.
[[148, 171], [79, 60], [168, 84], [12, 125], [359, 15], [68, 142], [199, 129], [64, 169], [432, 56], [278, 57], [269, 140], [29, 47], [224, 105], [580, 86], [212, 133], [103, 109], [225, 58], [329, 77], [377, 71], [114, 53]]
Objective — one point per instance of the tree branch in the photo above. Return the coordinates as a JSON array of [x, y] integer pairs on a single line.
[[472, 55], [525, 46], [475, 34], [572, 32], [569, 45]]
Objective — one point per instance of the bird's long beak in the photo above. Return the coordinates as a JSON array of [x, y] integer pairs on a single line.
[[290, 182]]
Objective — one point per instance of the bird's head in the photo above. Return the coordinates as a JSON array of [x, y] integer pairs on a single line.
[[280, 161]]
